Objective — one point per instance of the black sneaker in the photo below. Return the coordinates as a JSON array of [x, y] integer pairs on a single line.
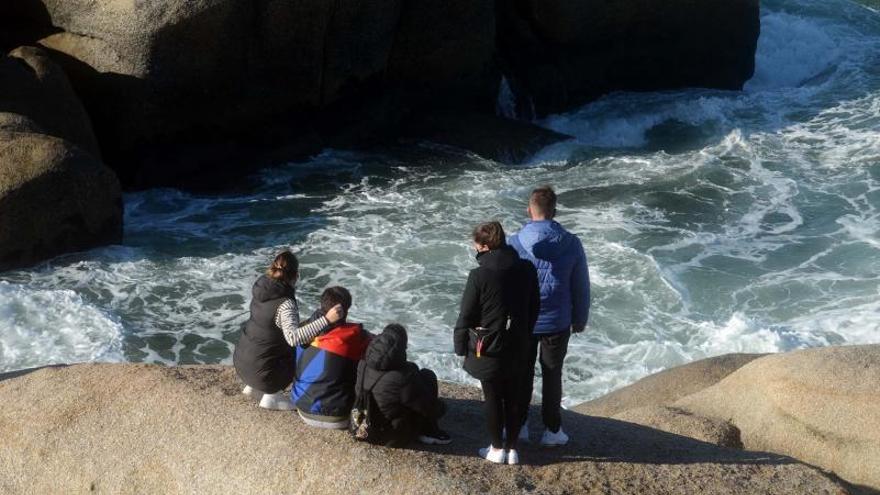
[[436, 437]]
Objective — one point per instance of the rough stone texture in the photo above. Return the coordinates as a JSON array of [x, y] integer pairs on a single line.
[[54, 198], [668, 386], [149, 429], [819, 405], [682, 422], [35, 88], [563, 53]]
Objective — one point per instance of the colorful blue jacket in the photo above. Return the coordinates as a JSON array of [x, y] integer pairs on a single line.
[[326, 371], [562, 274]]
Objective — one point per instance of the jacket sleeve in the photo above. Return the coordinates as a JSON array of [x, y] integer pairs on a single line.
[[580, 288], [468, 316]]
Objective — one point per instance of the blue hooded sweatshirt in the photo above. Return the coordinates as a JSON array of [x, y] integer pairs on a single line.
[[562, 274]]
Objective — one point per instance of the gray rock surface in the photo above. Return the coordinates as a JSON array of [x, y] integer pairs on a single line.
[[54, 198], [821, 406], [668, 386], [148, 429]]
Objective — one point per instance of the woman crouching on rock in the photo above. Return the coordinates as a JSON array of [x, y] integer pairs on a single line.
[[264, 356], [499, 309]]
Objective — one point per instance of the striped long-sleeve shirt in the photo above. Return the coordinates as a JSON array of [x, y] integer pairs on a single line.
[[287, 319]]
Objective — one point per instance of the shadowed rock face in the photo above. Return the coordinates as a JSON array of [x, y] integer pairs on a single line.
[[559, 54], [55, 194], [143, 428], [159, 75]]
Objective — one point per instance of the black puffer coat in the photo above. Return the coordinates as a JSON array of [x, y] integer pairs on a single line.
[[398, 389], [502, 286], [262, 358]]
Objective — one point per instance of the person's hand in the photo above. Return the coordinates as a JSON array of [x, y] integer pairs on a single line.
[[335, 314], [577, 328]]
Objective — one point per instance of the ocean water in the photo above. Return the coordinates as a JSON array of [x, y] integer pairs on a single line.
[[714, 222]]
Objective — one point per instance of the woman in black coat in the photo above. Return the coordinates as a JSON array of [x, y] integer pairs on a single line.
[[499, 309]]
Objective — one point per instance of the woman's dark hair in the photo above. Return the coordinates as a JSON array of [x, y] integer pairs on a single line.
[[284, 268], [491, 234], [333, 296]]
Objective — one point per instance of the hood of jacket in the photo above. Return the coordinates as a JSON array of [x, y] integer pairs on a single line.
[[267, 289], [387, 351], [545, 239], [498, 259]]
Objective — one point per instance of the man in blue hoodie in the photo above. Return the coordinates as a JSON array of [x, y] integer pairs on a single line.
[[565, 303]]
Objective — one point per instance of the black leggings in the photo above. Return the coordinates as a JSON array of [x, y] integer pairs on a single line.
[[503, 403]]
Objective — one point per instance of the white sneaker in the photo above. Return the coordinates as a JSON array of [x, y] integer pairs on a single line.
[[252, 392], [492, 454], [512, 457], [276, 402], [550, 439]]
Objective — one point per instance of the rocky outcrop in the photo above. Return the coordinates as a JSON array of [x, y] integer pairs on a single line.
[[250, 76], [821, 406], [149, 429], [668, 386], [558, 54], [156, 75], [36, 95], [55, 194], [54, 198]]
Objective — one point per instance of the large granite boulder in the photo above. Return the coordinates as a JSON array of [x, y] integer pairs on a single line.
[[273, 74], [148, 429], [821, 406], [54, 198], [55, 194], [157, 75], [562, 53]]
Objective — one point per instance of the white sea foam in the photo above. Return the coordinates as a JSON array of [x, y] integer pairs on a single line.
[[756, 232], [53, 326]]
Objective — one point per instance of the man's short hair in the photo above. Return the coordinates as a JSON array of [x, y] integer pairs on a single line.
[[333, 296], [491, 234], [543, 201]]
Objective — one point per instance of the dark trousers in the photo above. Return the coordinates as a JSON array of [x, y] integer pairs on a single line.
[[413, 424], [503, 404], [553, 347]]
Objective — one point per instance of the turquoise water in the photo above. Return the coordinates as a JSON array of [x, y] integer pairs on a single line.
[[714, 222]]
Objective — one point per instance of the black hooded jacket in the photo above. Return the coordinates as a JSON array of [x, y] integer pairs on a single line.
[[262, 358], [397, 391], [502, 286]]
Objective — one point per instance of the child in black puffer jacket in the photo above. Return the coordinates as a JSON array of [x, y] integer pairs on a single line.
[[406, 396]]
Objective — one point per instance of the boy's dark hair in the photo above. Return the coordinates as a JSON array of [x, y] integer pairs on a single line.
[[543, 201], [491, 234], [333, 296]]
